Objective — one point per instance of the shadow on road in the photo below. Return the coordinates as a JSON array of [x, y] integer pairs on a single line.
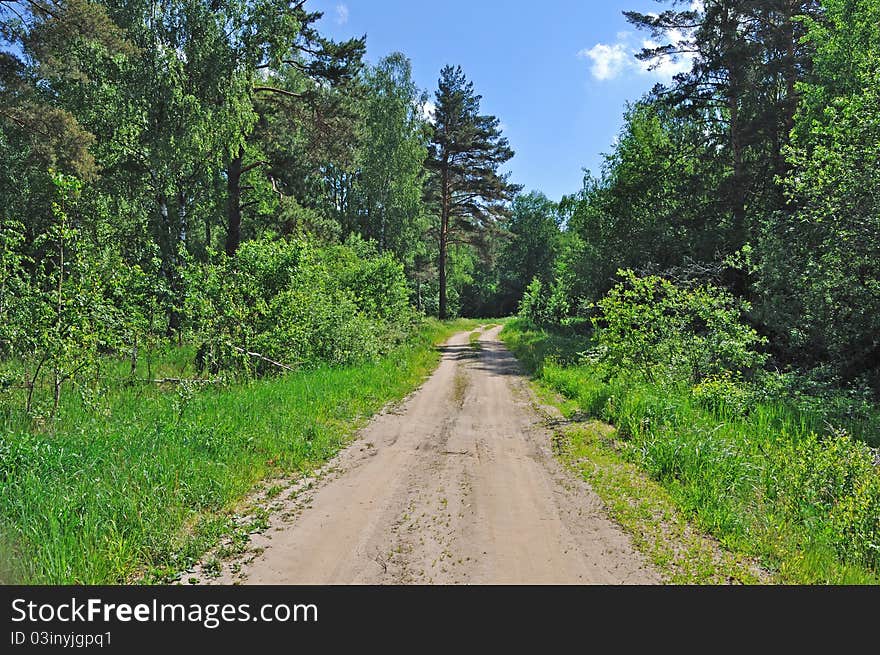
[[491, 356]]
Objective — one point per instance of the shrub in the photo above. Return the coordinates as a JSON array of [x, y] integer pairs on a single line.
[[831, 482], [724, 394], [651, 328], [548, 306], [533, 306], [296, 305]]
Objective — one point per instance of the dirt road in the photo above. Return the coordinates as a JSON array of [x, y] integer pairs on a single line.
[[456, 485]]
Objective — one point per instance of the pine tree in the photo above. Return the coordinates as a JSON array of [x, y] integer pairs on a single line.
[[466, 151], [288, 59], [748, 57]]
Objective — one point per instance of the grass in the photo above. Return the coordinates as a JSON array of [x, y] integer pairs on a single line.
[[143, 478], [659, 529], [763, 480], [474, 340]]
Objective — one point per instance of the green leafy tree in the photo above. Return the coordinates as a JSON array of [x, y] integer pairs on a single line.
[[281, 304], [298, 74], [741, 90], [653, 209], [530, 249], [390, 161], [56, 311], [818, 265]]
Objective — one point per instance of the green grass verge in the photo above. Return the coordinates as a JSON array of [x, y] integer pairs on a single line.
[[761, 482], [143, 481], [474, 340], [659, 529]]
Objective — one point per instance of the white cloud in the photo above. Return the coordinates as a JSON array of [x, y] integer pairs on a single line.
[[341, 14], [612, 60], [666, 67], [427, 110], [609, 61]]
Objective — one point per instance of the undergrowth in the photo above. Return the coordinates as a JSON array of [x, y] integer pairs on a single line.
[[792, 483]]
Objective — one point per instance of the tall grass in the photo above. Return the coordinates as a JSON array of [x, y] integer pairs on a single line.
[[141, 479], [765, 475]]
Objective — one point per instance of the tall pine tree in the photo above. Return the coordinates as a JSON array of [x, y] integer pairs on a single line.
[[466, 151], [748, 56]]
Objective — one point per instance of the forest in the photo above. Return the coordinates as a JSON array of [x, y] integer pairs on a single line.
[[211, 210]]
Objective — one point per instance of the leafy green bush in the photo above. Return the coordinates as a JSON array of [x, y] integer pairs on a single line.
[[724, 394], [285, 304], [549, 306], [832, 484], [533, 306], [651, 328], [856, 521]]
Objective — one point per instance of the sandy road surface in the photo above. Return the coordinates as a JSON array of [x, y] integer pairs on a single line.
[[456, 485]]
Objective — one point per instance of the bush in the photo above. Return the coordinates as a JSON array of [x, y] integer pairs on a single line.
[[298, 306], [547, 306], [724, 394], [533, 306], [651, 328], [832, 483]]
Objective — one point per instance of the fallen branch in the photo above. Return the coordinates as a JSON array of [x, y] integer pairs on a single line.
[[259, 356]]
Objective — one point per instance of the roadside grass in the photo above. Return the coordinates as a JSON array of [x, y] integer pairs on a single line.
[[659, 529], [141, 479], [761, 481], [474, 340]]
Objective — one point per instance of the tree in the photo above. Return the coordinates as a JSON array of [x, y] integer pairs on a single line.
[[464, 156], [529, 251], [819, 265], [38, 44], [391, 158], [286, 58], [653, 209], [747, 58]]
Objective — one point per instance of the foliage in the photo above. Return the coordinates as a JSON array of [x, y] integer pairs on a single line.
[[391, 160], [529, 250], [58, 312], [776, 481], [724, 394], [533, 306], [650, 327], [298, 306], [818, 264]]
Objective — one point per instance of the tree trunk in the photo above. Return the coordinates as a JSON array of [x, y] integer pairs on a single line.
[[444, 235], [729, 28], [233, 203], [791, 72], [733, 65], [167, 267], [789, 104]]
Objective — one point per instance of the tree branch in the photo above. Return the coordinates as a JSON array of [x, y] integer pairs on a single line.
[[283, 92]]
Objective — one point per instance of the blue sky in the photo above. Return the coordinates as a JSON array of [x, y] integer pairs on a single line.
[[558, 74]]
